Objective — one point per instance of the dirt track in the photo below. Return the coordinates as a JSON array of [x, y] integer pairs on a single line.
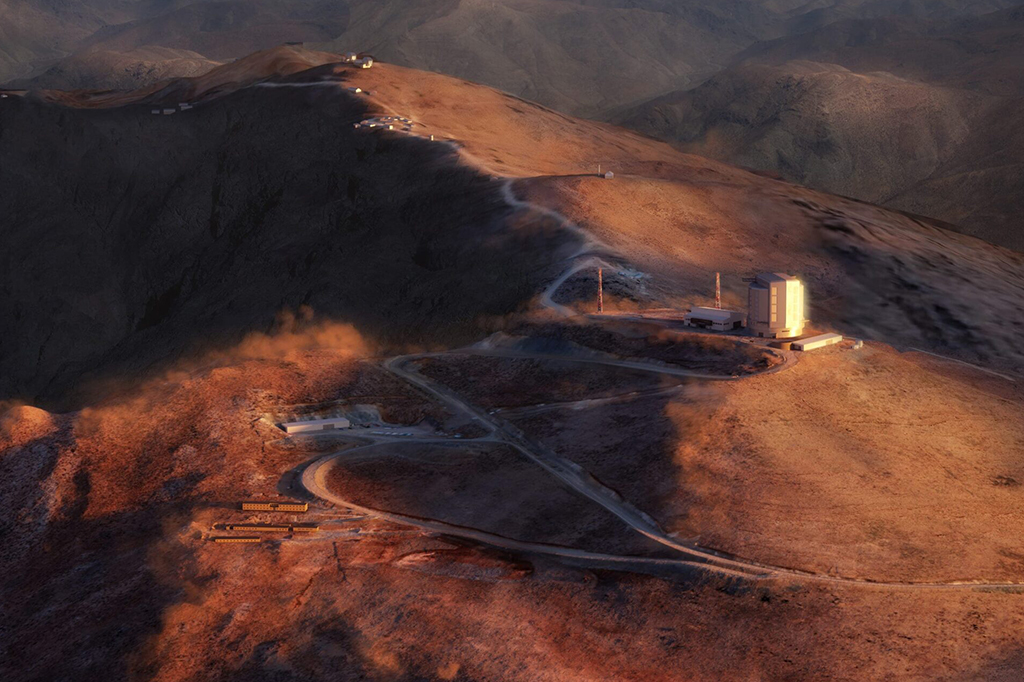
[[696, 558]]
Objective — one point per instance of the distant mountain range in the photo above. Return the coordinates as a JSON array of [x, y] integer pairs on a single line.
[[923, 116], [586, 57], [911, 104]]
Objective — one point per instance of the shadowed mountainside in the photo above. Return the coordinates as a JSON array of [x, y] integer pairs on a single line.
[[551, 52], [586, 57], [149, 236], [35, 35], [132, 237], [979, 53], [107, 70], [920, 116]]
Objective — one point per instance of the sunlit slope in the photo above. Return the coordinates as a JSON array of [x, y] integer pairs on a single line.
[[681, 218]]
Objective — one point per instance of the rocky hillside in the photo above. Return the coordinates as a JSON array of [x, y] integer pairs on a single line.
[[920, 116], [35, 34], [135, 238], [131, 236], [109, 70], [149, 253], [586, 57]]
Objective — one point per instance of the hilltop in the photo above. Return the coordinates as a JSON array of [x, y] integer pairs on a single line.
[[589, 58], [244, 177], [527, 490]]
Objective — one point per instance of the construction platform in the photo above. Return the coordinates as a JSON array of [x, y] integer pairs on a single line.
[[273, 527], [276, 506]]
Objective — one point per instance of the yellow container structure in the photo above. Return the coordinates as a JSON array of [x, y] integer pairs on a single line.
[[273, 527], [236, 538], [276, 506], [258, 527]]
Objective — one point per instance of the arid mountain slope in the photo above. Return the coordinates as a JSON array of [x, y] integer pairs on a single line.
[[227, 29], [170, 231], [110, 573], [137, 237], [978, 53], [552, 52], [593, 57], [679, 218], [819, 124], [923, 117], [35, 35], [107, 70], [204, 225]]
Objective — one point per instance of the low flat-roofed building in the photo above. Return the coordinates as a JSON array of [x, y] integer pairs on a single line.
[[308, 425], [714, 319], [819, 341]]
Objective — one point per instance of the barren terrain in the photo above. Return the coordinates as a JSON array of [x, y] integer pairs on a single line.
[[486, 486], [548, 496], [921, 116], [484, 379], [117, 507], [802, 468]]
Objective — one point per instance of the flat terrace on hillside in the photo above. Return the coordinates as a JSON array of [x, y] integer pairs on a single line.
[[387, 123], [307, 425]]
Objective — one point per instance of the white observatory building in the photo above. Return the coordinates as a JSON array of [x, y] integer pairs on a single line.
[[775, 306]]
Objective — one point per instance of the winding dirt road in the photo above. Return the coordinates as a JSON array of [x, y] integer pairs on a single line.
[[692, 557], [693, 560]]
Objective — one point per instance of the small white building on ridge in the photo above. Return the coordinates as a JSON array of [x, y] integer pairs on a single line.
[[714, 319]]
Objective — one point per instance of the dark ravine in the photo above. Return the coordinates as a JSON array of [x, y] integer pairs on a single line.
[[130, 238]]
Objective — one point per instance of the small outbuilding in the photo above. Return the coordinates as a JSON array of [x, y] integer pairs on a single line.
[[819, 341], [608, 175], [307, 425], [714, 319]]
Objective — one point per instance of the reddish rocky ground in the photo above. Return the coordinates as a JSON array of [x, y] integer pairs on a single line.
[[108, 572], [880, 463]]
